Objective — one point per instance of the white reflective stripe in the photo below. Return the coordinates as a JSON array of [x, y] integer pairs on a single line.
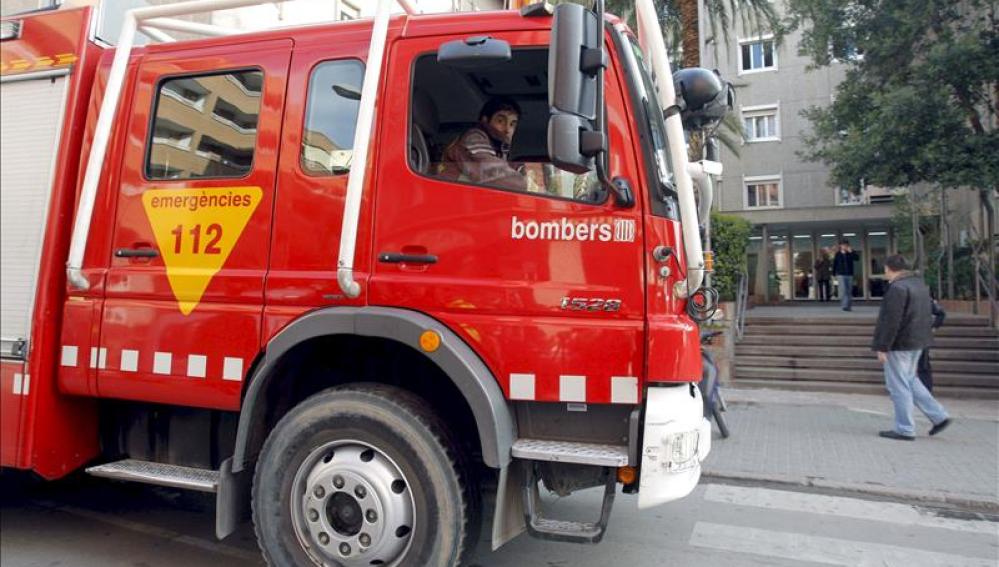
[[197, 365], [232, 368], [129, 360], [16, 388], [803, 548], [572, 388], [624, 390], [162, 362], [522, 387], [69, 355], [98, 357], [26, 385], [890, 512]]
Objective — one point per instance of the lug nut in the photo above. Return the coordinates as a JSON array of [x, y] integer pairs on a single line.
[[313, 515], [338, 481], [344, 549], [324, 539], [365, 540], [360, 492], [371, 515], [319, 492]]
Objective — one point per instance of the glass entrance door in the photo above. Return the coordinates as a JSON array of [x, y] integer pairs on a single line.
[[877, 251], [803, 262]]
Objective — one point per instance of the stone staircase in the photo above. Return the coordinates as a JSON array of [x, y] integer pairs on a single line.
[[831, 351]]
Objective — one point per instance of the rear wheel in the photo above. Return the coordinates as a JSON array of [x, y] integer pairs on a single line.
[[358, 476]]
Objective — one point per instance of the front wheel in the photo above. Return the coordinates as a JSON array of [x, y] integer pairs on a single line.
[[361, 475]]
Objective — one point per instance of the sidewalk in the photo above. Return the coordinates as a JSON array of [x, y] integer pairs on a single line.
[[830, 441]]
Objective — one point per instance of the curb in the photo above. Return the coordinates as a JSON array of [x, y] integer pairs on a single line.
[[968, 501]]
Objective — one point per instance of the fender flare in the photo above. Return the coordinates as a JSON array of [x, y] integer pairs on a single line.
[[493, 416]]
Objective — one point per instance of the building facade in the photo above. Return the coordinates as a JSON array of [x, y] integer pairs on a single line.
[[796, 214]]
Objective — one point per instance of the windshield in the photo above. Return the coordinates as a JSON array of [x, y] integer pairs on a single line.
[[651, 120]]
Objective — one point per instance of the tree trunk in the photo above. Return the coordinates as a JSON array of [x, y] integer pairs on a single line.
[[690, 26]]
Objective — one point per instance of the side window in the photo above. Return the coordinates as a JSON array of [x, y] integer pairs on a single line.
[[205, 126], [331, 117], [488, 127]]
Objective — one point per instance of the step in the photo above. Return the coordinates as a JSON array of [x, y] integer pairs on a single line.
[[940, 392], [160, 474], [540, 527], [864, 330], [806, 340], [571, 452], [856, 352], [855, 375], [868, 363]]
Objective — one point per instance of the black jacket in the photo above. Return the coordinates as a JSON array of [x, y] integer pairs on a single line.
[[906, 317], [843, 263]]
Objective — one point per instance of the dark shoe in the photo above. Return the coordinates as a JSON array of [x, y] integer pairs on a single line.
[[890, 434], [940, 426]]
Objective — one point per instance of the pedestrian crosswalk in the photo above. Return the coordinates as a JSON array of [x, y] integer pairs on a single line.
[[805, 546]]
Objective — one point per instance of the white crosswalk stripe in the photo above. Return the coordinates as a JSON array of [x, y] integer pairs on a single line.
[[898, 514], [823, 550]]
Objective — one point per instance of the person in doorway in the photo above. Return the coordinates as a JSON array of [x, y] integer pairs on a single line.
[[823, 271], [481, 153], [924, 370], [843, 270], [902, 332]]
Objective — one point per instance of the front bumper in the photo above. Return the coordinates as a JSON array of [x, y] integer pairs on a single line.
[[676, 439]]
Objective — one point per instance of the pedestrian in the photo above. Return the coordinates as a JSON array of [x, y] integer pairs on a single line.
[[903, 330], [924, 370], [823, 271], [843, 270]]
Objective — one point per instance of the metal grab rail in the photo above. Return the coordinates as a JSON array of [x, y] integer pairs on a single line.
[[741, 305]]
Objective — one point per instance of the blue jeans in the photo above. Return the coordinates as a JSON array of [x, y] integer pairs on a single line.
[[845, 291], [905, 389]]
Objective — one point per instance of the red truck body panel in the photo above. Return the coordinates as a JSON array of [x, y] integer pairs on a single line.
[[147, 332]]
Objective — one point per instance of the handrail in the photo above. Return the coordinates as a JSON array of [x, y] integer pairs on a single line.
[[151, 20], [741, 304]]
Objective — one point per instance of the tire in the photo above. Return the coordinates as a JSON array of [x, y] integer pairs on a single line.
[[363, 474], [720, 422]]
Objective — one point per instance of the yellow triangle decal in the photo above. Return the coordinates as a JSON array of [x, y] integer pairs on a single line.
[[196, 230]]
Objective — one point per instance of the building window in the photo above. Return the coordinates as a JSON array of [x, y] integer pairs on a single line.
[[205, 126], [757, 55], [331, 117], [763, 192], [760, 123]]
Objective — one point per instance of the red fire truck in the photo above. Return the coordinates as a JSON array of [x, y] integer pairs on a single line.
[[231, 264]]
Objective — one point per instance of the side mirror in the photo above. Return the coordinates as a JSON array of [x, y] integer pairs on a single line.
[[572, 143], [575, 59], [474, 52]]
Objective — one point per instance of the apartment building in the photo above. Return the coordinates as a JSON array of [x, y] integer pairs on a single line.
[[797, 215]]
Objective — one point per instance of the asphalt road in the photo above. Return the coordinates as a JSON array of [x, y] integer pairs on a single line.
[[97, 523]]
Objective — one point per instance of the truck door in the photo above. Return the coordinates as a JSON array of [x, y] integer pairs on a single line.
[[538, 270], [182, 318]]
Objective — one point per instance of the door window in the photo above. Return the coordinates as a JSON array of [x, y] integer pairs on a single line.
[[331, 117], [487, 127], [205, 126]]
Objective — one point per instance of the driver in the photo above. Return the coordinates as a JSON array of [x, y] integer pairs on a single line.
[[480, 154]]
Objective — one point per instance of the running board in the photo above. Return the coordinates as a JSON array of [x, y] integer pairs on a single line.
[[560, 530], [571, 452], [160, 474]]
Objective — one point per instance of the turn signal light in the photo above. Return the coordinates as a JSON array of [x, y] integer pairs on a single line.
[[626, 475]]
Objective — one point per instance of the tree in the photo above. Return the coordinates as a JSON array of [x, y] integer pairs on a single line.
[[919, 101]]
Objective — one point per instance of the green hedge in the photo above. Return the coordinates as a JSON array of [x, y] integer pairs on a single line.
[[729, 239]]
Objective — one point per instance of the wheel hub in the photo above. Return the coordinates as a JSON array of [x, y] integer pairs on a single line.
[[352, 506]]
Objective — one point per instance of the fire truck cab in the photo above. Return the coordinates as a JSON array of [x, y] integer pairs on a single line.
[[282, 287]]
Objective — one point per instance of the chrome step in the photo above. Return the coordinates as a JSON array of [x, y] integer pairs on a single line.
[[571, 452], [160, 474]]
